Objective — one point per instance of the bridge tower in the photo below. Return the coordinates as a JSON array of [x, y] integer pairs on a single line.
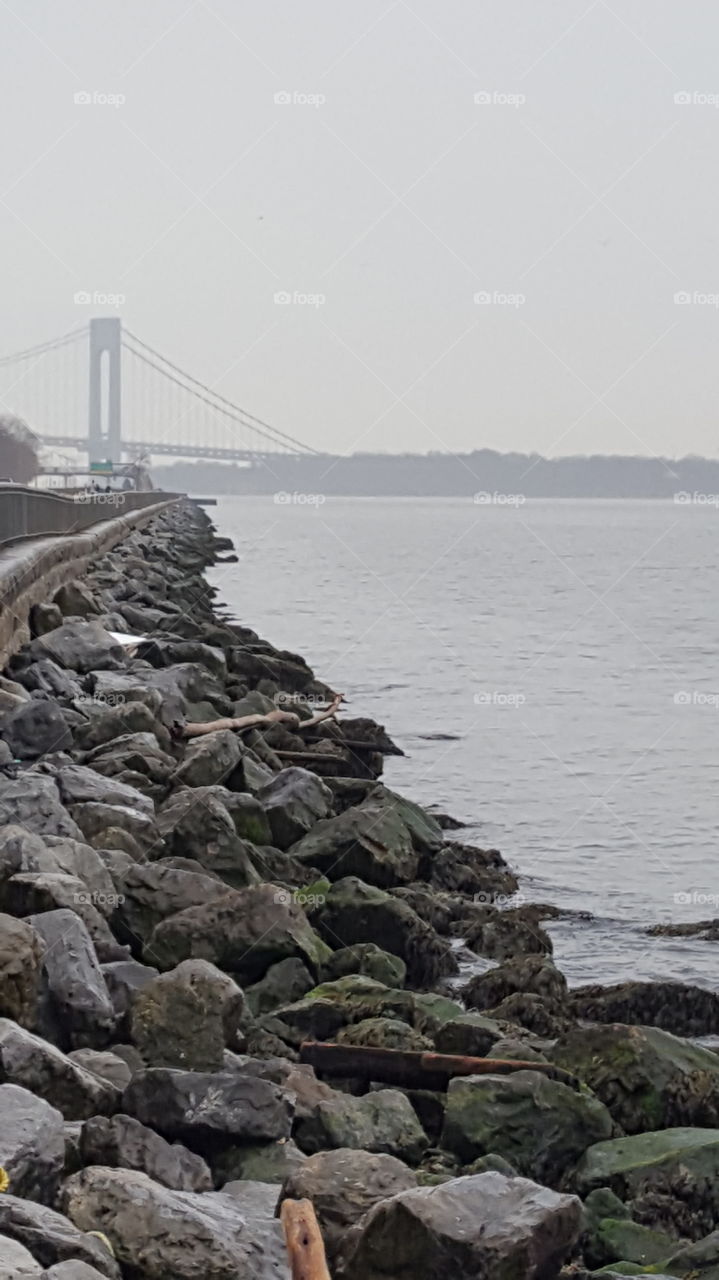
[[105, 402]]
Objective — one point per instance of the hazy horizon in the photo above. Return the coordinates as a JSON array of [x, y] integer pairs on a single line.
[[529, 271]]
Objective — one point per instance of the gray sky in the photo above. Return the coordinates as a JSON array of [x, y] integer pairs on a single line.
[[398, 198]]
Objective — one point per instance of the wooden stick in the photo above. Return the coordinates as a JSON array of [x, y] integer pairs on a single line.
[[305, 1247], [411, 1069]]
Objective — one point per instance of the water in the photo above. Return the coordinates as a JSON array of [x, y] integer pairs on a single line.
[[550, 670]]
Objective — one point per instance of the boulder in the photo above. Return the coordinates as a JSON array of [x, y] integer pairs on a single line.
[[122, 979], [358, 912], [21, 953], [244, 932], [45, 676], [368, 840], [106, 724], [104, 1065], [79, 784], [176, 1234], [209, 1110], [72, 1270], [95, 818], [209, 759], [79, 999], [186, 1017], [73, 858], [483, 873], [669, 1178], [268, 1162], [32, 1144], [368, 959], [288, 980], [383, 1122], [78, 646], [137, 754], [27, 1060], [247, 814], [500, 935], [486, 1225], [33, 801], [647, 1078], [153, 891], [74, 600], [342, 1186], [53, 1239], [35, 729], [41, 893], [385, 1033], [196, 824], [526, 974], [123, 1143], [539, 1125], [294, 801], [470, 1034], [15, 1261], [678, 1007]]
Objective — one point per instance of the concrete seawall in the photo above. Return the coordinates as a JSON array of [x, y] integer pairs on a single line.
[[32, 571]]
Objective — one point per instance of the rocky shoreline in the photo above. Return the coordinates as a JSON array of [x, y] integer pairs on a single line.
[[179, 916]]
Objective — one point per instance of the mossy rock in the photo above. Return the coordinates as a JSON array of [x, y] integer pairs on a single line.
[[648, 1079], [368, 959], [384, 1033]]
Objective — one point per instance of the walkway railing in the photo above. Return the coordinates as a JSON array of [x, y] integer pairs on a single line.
[[33, 513]]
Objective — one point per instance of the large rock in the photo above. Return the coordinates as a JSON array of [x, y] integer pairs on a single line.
[[33, 801], [15, 1261], [482, 1226], [79, 784], [95, 818], [53, 1239], [500, 935], [33, 893], [74, 599], [674, 1006], [647, 1078], [358, 912], [471, 1034], [539, 1125], [123, 1143], [27, 1060], [209, 759], [668, 1178], [36, 729], [195, 824], [122, 979], [105, 724], [79, 1000], [368, 840], [158, 1233], [288, 980], [368, 959], [186, 1017], [533, 974], [294, 801], [134, 754], [79, 646], [154, 891], [343, 1185], [21, 952], [209, 1110], [32, 1144], [382, 1122], [244, 932]]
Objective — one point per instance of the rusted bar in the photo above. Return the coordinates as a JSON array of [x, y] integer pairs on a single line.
[[411, 1069], [305, 1247]]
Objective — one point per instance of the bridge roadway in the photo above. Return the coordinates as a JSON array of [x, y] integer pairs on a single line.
[[141, 447]]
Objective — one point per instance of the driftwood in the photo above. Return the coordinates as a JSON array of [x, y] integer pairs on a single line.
[[254, 721], [411, 1069], [305, 1247]]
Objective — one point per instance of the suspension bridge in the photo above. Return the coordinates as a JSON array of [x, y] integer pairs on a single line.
[[103, 392]]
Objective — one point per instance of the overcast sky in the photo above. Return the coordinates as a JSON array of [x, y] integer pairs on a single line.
[[581, 198]]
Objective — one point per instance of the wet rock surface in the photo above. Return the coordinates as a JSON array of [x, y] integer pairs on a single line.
[[180, 915]]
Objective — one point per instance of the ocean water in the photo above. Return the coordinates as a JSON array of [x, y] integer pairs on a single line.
[[551, 671]]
